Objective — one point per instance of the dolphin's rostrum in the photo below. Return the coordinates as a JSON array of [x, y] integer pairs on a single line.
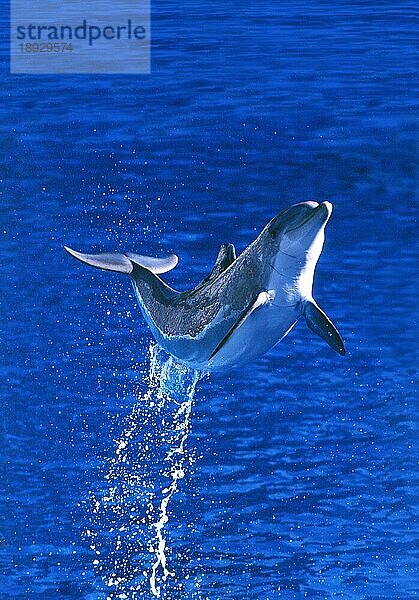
[[246, 304]]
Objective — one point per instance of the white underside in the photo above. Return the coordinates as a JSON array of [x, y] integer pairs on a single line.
[[259, 333]]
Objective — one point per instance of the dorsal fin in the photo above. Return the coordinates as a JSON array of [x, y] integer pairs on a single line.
[[123, 263], [226, 256]]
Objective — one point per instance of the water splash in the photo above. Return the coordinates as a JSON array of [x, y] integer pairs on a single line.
[[129, 514], [176, 457]]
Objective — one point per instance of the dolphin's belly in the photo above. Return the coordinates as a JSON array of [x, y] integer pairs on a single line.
[[258, 334], [194, 351], [188, 349], [194, 346]]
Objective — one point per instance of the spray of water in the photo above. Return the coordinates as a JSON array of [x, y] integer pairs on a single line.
[[174, 471], [130, 513]]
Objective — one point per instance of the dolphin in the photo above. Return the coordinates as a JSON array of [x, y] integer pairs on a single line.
[[247, 303]]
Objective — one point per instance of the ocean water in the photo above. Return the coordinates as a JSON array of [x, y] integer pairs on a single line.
[[124, 475]]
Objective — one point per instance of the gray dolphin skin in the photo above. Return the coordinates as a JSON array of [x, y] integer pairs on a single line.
[[246, 305]]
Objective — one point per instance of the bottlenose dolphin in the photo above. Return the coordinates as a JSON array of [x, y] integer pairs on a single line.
[[246, 304]]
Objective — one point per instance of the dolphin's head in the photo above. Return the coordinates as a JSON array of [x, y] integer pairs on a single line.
[[299, 229], [295, 239]]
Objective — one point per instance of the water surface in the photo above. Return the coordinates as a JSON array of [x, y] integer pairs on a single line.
[[300, 483]]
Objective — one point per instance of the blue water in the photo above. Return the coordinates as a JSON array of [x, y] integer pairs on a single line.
[[296, 474]]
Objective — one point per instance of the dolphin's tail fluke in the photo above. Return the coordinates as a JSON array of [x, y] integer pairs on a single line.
[[125, 263], [320, 323]]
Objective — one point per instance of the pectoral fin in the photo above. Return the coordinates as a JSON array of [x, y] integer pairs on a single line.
[[262, 299], [320, 323]]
